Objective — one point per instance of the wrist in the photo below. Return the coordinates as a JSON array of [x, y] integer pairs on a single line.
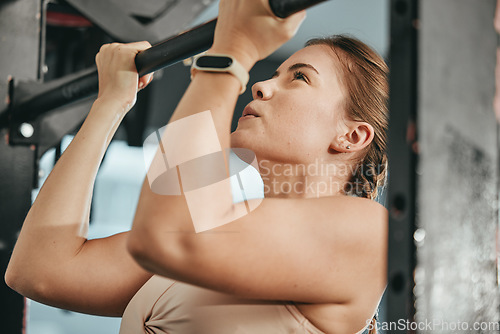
[[246, 59], [221, 63], [114, 103], [109, 107]]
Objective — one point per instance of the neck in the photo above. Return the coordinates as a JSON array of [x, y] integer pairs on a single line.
[[301, 180]]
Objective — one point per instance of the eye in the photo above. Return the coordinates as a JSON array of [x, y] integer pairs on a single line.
[[298, 75]]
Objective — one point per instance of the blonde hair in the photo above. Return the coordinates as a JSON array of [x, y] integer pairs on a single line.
[[365, 79]]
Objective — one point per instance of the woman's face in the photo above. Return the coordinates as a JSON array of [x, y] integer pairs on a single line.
[[296, 114]]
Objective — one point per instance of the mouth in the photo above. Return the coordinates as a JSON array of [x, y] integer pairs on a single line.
[[249, 112]]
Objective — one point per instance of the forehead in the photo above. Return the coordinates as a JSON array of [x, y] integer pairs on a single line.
[[325, 61], [322, 57]]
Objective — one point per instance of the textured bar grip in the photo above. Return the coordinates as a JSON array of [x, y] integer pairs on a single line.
[[175, 49]]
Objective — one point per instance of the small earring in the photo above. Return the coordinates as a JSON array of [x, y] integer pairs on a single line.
[[348, 147]]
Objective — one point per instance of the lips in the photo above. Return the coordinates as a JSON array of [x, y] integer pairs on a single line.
[[249, 112]]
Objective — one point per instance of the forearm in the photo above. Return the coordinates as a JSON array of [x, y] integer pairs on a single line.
[[65, 196], [56, 226], [160, 238], [217, 93]]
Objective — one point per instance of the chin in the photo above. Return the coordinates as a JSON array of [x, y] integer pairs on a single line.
[[239, 140], [242, 140]]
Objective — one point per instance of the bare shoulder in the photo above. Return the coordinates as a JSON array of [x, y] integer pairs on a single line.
[[360, 230], [327, 250], [347, 213], [365, 208], [341, 222], [359, 242], [358, 205], [361, 216]]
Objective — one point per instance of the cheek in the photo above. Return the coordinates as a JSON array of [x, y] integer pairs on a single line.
[[305, 132], [318, 129]]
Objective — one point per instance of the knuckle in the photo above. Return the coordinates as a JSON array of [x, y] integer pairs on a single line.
[[103, 47], [289, 31]]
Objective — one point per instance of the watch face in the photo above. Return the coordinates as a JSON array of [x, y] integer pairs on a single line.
[[214, 62]]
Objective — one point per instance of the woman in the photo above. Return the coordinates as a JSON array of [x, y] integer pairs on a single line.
[[306, 259]]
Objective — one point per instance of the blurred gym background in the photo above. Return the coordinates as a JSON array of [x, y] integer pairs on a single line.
[[443, 138]]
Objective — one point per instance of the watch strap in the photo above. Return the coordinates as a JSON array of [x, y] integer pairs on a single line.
[[235, 68]]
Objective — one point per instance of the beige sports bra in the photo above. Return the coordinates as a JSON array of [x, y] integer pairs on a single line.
[[165, 306]]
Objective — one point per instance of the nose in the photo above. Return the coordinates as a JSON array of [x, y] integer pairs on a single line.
[[263, 90]]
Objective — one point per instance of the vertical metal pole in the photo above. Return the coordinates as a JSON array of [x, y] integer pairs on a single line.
[[402, 162], [17, 167], [20, 31]]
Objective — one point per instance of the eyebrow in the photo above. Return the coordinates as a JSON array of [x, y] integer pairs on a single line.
[[296, 67]]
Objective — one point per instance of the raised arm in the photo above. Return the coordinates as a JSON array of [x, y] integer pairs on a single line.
[[247, 31], [53, 262], [325, 250]]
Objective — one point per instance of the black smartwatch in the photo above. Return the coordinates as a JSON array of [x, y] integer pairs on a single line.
[[220, 63]]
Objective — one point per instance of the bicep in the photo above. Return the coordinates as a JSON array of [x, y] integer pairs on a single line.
[[315, 251], [101, 279]]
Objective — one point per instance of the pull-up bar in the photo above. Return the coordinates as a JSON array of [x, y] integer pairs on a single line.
[[46, 97]]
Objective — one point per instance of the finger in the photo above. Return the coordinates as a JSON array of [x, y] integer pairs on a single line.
[[145, 80], [104, 47], [138, 46], [295, 21], [299, 17], [267, 8]]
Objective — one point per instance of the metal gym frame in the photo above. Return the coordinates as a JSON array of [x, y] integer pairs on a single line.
[[402, 159], [27, 135], [35, 115]]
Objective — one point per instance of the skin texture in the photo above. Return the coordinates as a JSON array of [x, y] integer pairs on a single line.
[[53, 262], [303, 94], [290, 104], [325, 251]]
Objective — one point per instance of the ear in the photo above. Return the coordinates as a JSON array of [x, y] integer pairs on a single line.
[[357, 136]]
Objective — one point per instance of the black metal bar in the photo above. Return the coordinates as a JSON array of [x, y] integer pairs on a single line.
[[402, 162], [32, 99], [200, 38], [174, 19], [47, 97], [175, 49]]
